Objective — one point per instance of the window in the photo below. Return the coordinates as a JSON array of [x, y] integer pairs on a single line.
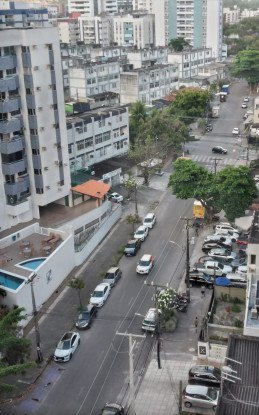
[[31, 111], [37, 171], [70, 148], [253, 259], [39, 190], [89, 142], [106, 136], [33, 131], [80, 145], [35, 151], [98, 138]]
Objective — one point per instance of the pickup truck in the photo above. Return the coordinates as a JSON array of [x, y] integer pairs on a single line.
[[213, 268]]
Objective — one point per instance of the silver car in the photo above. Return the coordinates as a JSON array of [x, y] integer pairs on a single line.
[[200, 396]]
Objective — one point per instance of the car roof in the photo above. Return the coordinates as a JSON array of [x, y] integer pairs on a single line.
[[151, 313], [131, 241], [112, 270], [101, 286], [146, 257], [149, 215], [68, 335], [202, 369], [141, 228], [197, 389]]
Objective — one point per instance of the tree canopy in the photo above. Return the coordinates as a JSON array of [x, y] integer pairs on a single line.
[[138, 116], [231, 189], [246, 65], [178, 44], [191, 103]]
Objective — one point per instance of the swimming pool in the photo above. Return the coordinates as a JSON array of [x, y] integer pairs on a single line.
[[10, 281], [33, 263]]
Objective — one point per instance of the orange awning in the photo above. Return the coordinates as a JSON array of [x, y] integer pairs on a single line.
[[92, 188]]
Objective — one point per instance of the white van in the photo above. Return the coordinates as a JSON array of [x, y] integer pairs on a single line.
[[225, 228], [151, 320]]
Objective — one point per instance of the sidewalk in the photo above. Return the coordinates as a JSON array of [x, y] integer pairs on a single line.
[[159, 391]]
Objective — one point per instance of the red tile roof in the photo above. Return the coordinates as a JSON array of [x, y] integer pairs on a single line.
[[92, 188]]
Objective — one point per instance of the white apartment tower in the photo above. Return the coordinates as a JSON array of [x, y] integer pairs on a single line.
[[135, 29], [33, 137], [85, 7]]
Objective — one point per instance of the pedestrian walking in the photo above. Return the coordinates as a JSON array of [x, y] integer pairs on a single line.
[[196, 322], [203, 291]]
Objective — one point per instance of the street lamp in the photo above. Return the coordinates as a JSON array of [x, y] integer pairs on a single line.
[[35, 319]]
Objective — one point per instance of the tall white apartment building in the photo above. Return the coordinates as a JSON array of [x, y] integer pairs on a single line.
[[190, 61], [231, 16], [94, 78], [21, 14], [107, 6], [96, 30], [85, 7], [146, 57], [135, 29], [33, 138], [68, 30]]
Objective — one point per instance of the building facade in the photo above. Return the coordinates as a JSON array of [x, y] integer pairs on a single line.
[[190, 61], [97, 30], [19, 14], [136, 29], [148, 84], [231, 16], [96, 136], [33, 140], [68, 30], [85, 7]]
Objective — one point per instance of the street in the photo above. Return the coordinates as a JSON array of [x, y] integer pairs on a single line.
[[99, 369]]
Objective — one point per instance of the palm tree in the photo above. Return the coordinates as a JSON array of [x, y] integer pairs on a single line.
[[78, 284]]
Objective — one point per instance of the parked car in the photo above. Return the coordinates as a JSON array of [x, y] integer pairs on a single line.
[[222, 240], [66, 346], [145, 265], [207, 246], [112, 276], [235, 131], [86, 316], [246, 99], [132, 247], [213, 268], [237, 262], [225, 228], [149, 220], [112, 409], [219, 150], [242, 269], [100, 294], [238, 280], [230, 234], [115, 197], [222, 253], [210, 375], [141, 233], [202, 279], [244, 105], [150, 321], [200, 396]]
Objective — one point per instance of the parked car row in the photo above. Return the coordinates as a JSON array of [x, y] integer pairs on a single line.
[[202, 390]]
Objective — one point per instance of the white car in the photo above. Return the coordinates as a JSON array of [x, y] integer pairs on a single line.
[[100, 294], [235, 131], [67, 346], [222, 253], [149, 220], [146, 264], [242, 269], [225, 228], [115, 197], [246, 99], [233, 236], [219, 238], [141, 233], [244, 105]]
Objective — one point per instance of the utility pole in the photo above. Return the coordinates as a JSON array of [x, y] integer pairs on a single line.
[[136, 202], [187, 272], [131, 367], [158, 350], [35, 319], [215, 159]]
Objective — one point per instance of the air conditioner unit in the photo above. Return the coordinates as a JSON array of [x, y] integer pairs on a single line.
[[38, 88], [254, 314], [39, 108], [36, 68], [57, 163], [46, 168], [44, 148], [42, 128], [47, 187]]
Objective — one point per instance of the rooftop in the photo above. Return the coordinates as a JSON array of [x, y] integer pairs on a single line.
[[93, 188]]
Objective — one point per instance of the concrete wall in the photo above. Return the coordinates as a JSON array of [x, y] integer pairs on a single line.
[[232, 292]]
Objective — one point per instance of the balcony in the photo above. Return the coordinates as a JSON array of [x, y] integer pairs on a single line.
[[30, 99], [9, 83], [12, 146], [15, 189], [28, 81], [33, 123], [18, 208], [9, 105], [8, 62], [15, 167], [26, 60], [11, 125]]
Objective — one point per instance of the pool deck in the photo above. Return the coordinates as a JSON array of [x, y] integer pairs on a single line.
[[22, 250]]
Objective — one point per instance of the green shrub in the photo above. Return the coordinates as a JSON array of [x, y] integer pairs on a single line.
[[238, 323], [236, 308]]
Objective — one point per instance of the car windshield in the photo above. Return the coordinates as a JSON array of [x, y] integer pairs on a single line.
[[109, 276], [98, 294], [130, 245], [64, 345], [212, 394], [144, 263], [140, 231], [109, 411], [149, 322], [217, 373], [84, 316], [220, 266], [148, 219]]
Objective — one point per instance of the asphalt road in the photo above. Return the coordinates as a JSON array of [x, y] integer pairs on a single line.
[[98, 372]]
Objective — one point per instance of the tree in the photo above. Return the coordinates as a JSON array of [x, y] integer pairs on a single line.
[[236, 190], [15, 351], [178, 44], [231, 189], [138, 116], [133, 219], [191, 103], [77, 284], [246, 65], [130, 184]]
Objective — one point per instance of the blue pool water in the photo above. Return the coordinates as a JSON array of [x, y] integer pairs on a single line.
[[32, 263], [10, 281]]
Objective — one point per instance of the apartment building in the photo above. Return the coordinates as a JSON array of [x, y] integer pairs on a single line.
[[33, 139], [148, 84], [190, 61], [146, 57], [94, 78], [85, 7], [136, 29], [231, 16], [96, 136], [20, 14], [68, 30], [96, 30]]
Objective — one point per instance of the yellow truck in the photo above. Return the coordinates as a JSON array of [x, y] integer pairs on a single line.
[[198, 210]]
